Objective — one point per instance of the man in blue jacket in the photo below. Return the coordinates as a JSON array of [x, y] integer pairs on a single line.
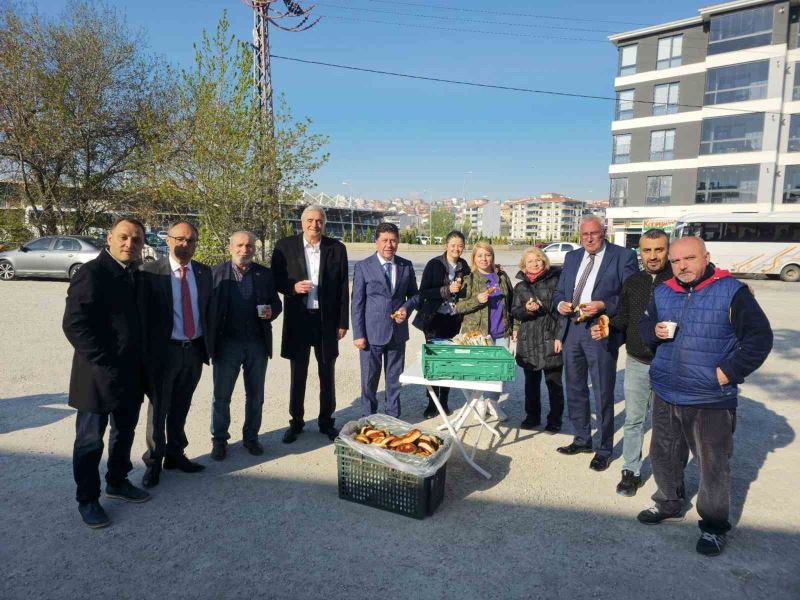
[[384, 293], [592, 278], [709, 333]]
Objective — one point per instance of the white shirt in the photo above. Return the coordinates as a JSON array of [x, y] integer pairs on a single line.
[[586, 294], [177, 304], [312, 252], [448, 308], [383, 261]]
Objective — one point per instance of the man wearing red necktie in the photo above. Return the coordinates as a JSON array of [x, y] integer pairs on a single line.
[[176, 294]]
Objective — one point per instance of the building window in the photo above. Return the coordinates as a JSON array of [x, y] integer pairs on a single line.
[[625, 105], [739, 133], [791, 184], [796, 86], [665, 98], [727, 185], [669, 52], [737, 83], [740, 30], [662, 144], [627, 60], [794, 134], [659, 190], [622, 149], [618, 197]]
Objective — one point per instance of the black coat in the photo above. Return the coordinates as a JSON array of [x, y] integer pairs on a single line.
[[101, 322], [289, 267], [265, 293], [434, 290], [156, 308], [537, 331]]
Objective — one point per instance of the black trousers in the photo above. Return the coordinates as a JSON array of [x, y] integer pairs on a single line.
[[441, 327], [708, 433], [533, 394], [172, 388], [88, 449], [299, 375]]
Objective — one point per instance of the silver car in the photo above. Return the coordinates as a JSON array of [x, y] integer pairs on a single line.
[[55, 256]]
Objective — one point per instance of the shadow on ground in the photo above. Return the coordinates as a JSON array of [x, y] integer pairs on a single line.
[[28, 412]]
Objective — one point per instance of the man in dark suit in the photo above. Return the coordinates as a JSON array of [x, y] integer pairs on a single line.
[[384, 293], [244, 306], [176, 296], [592, 278], [310, 271], [101, 322]]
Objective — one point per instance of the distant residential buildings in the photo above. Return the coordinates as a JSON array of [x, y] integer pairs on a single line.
[[550, 217]]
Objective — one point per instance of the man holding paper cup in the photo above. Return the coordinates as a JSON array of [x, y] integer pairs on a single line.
[[708, 333], [244, 306]]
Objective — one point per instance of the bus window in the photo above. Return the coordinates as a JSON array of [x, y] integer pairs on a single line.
[[710, 232]]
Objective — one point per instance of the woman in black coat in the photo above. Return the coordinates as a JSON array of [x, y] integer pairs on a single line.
[[438, 290], [538, 349]]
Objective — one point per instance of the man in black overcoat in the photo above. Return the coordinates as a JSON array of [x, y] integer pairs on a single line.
[[101, 322], [310, 271]]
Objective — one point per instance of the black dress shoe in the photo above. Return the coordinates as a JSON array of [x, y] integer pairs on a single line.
[[628, 484], [528, 424], [93, 515], [552, 428], [254, 447], [219, 450], [574, 448], [182, 464], [600, 463], [151, 477], [127, 491], [330, 431], [431, 411], [290, 435]]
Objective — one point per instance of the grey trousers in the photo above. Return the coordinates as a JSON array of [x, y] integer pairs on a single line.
[[708, 434]]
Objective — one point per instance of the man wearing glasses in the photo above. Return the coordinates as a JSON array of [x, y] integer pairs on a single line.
[[176, 295]]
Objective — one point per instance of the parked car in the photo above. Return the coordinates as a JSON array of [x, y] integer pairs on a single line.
[[54, 256], [163, 235], [154, 248], [558, 250]]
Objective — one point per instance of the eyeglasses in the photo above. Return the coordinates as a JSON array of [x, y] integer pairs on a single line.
[[181, 239]]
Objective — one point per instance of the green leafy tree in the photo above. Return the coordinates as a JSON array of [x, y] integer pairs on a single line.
[[442, 222]]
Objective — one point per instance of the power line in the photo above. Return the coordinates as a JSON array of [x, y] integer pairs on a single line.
[[497, 12], [509, 88], [448, 18]]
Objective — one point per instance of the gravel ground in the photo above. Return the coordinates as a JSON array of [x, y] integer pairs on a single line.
[[544, 526]]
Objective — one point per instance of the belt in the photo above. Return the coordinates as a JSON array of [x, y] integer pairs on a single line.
[[187, 343]]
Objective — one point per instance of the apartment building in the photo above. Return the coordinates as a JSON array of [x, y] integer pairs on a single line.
[[484, 216], [707, 117], [547, 217]]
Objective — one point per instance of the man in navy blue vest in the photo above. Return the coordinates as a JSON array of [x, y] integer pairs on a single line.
[[709, 333]]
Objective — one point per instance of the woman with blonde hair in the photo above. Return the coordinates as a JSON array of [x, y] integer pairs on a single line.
[[485, 301], [538, 349]]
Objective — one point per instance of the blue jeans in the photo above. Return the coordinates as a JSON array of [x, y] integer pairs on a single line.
[[638, 397], [252, 358]]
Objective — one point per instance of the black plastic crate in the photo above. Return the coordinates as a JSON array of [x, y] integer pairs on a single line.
[[365, 481]]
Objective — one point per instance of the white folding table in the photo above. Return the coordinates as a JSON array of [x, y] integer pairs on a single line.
[[414, 375]]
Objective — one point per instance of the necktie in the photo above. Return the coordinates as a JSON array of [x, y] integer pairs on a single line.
[[387, 272], [186, 304], [582, 282]]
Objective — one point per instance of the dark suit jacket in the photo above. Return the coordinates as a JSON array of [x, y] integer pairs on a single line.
[[289, 267], [156, 309], [102, 324], [374, 302], [434, 289], [265, 293], [618, 264]]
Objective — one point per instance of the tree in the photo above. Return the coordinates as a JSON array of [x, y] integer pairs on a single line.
[[78, 100], [466, 227], [442, 222], [217, 158]]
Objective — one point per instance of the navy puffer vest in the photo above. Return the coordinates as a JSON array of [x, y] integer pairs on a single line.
[[684, 370]]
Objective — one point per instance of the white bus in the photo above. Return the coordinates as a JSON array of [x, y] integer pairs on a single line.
[[755, 243]]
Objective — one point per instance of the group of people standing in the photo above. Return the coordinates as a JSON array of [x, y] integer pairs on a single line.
[[692, 333]]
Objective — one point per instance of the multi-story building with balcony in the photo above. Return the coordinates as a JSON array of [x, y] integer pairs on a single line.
[[707, 116], [547, 217]]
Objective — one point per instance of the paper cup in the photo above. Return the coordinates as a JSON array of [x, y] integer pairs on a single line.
[[671, 326], [262, 310]]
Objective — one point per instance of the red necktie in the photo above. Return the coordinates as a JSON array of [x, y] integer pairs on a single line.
[[186, 303]]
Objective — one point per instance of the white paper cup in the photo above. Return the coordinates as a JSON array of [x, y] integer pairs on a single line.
[[262, 310], [671, 326]]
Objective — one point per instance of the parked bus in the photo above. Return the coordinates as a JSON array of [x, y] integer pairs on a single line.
[[755, 243]]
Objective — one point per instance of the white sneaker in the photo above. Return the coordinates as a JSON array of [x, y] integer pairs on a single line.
[[480, 406]]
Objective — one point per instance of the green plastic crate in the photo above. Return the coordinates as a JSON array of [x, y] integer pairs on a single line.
[[365, 481], [468, 363]]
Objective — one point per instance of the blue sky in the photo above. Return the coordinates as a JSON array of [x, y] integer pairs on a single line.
[[397, 137]]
